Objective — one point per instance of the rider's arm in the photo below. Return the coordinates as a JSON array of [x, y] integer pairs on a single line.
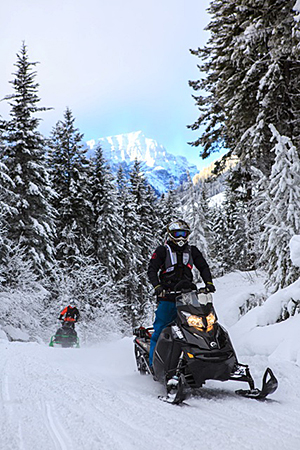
[[156, 262], [77, 314], [201, 265], [63, 312]]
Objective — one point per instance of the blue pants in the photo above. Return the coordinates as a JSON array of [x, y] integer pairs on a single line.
[[166, 312]]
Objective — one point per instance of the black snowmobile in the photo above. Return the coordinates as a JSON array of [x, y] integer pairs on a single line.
[[65, 336], [193, 349]]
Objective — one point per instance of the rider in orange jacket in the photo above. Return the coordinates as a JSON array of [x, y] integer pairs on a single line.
[[70, 314]]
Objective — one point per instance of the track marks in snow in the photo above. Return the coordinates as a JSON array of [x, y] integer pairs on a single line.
[[94, 399], [59, 437]]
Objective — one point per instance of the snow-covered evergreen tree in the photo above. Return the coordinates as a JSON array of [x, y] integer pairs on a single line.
[[242, 219], [128, 218], [251, 65], [219, 247], [31, 218], [6, 186], [235, 256], [168, 209], [282, 208], [70, 172], [195, 213], [107, 225], [143, 234]]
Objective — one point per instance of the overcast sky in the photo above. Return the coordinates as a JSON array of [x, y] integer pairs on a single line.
[[119, 65]]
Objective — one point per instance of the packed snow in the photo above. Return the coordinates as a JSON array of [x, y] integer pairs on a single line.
[[94, 398]]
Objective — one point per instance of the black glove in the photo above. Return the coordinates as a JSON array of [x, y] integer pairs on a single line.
[[158, 289], [210, 287]]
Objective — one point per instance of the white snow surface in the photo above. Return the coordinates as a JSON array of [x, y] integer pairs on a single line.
[[93, 398]]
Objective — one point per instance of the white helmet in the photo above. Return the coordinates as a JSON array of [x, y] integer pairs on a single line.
[[178, 232]]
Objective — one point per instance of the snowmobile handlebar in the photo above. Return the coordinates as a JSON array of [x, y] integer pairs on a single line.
[[61, 319], [184, 287]]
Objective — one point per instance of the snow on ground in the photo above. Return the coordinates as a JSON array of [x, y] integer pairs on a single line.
[[93, 398]]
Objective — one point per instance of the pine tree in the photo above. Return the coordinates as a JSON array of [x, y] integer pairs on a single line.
[[128, 220], [6, 211], [242, 217], [252, 79], [139, 231], [168, 209], [107, 227], [31, 218], [131, 252], [282, 221], [195, 213], [236, 254], [219, 236], [6, 183], [70, 172], [142, 240]]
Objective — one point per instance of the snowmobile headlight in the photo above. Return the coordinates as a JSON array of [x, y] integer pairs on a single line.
[[198, 322], [195, 321], [211, 319]]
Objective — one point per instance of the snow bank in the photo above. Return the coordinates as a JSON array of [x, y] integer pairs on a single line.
[[15, 334], [258, 332], [236, 293], [20, 314], [3, 336], [278, 341]]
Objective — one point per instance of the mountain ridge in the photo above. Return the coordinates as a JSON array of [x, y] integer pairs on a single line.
[[160, 167]]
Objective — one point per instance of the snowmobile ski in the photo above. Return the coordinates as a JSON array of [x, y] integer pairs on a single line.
[[268, 387], [175, 394]]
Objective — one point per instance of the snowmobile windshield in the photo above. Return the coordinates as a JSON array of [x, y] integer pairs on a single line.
[[193, 298]]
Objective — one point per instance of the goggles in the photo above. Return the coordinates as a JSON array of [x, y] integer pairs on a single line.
[[179, 233]]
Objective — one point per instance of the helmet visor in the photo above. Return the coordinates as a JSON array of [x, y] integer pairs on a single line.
[[179, 233]]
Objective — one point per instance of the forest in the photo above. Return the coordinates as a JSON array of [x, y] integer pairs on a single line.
[[70, 230]]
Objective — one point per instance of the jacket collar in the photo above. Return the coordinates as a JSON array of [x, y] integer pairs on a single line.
[[175, 247]]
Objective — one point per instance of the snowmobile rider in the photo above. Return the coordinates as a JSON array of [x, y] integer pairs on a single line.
[[170, 264], [70, 314]]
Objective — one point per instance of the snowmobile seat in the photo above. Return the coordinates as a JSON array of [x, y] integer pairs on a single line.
[[143, 333]]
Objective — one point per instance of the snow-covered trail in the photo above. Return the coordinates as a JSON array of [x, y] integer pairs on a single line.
[[94, 399]]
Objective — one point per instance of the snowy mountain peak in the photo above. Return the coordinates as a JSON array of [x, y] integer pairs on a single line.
[[159, 166], [129, 147]]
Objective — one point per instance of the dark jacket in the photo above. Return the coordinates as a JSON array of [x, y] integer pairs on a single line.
[[157, 267], [71, 314]]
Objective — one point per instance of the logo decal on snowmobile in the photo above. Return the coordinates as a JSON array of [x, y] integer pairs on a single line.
[[213, 344], [178, 332]]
